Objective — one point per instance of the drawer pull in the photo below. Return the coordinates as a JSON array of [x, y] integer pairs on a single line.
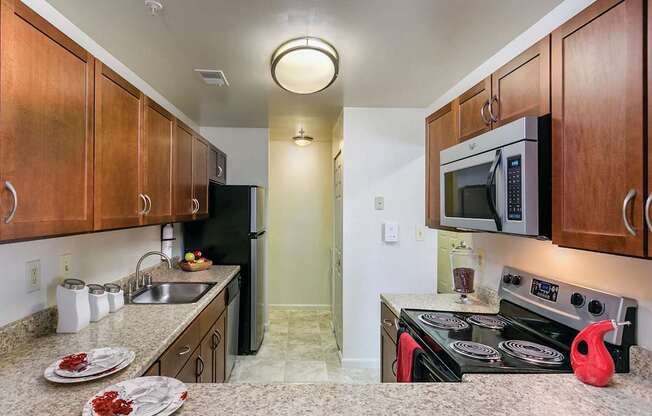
[[394, 366], [388, 323], [185, 350], [217, 339]]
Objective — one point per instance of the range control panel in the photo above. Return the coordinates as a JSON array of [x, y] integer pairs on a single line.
[[571, 305], [514, 193]]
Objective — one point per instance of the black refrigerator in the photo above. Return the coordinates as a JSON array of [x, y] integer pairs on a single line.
[[234, 234]]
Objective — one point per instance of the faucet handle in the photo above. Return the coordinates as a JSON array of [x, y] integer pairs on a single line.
[[147, 279]]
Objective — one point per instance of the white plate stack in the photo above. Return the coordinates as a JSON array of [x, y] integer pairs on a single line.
[[98, 363], [145, 396]]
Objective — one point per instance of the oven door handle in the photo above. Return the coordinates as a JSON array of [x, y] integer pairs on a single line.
[[491, 179]]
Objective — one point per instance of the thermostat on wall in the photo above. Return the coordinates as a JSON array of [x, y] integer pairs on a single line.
[[390, 232]]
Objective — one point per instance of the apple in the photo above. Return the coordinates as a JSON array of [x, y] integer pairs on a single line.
[[189, 257], [197, 254], [200, 260]]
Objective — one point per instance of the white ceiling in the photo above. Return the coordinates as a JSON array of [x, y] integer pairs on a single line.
[[394, 53]]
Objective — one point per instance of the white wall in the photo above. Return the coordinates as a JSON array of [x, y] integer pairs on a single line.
[[384, 155], [300, 224], [96, 258], [247, 153]]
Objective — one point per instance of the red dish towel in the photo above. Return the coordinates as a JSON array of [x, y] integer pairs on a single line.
[[406, 347]]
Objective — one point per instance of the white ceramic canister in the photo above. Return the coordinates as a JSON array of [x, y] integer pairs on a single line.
[[72, 305], [116, 296], [99, 302]]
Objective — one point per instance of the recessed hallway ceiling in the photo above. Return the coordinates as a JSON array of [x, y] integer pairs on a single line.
[[393, 53]]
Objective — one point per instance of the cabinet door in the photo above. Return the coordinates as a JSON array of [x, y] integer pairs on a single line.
[[440, 134], [118, 108], [206, 352], [219, 350], [183, 205], [46, 134], [388, 358], [472, 110], [200, 176], [157, 162], [598, 141], [192, 371], [522, 87]]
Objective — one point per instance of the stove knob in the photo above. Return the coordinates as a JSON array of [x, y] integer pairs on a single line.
[[516, 280], [596, 307], [507, 279], [577, 300]]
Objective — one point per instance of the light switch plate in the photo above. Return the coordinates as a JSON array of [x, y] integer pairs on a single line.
[[420, 233], [33, 275], [379, 203], [65, 265], [390, 232]]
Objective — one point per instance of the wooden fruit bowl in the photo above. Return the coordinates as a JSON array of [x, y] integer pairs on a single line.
[[195, 267]]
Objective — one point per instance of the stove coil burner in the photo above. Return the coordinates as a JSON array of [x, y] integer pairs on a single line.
[[492, 322], [532, 352], [475, 350], [443, 321]]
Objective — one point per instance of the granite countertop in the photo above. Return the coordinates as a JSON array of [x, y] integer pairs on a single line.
[[438, 301], [148, 330], [501, 394]]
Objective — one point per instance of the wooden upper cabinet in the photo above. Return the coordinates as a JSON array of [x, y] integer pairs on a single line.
[[46, 128], [522, 87], [441, 132], [157, 163], [200, 175], [118, 106], [183, 205], [472, 110], [598, 134]]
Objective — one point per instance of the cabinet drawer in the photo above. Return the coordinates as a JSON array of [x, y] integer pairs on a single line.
[[176, 356], [210, 314], [389, 321]]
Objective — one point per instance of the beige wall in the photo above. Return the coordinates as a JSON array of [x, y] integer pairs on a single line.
[[619, 275], [300, 224]]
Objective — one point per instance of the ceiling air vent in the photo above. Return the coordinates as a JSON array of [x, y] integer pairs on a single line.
[[213, 77]]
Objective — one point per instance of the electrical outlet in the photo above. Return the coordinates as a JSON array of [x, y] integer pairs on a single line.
[[33, 275], [379, 203], [420, 233], [65, 265]]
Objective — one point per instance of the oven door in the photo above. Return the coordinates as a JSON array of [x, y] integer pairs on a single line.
[[492, 191]]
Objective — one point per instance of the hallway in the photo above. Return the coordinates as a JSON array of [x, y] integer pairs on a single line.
[[299, 348]]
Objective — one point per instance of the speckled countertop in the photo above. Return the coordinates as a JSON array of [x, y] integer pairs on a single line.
[[437, 301], [146, 329], [557, 394]]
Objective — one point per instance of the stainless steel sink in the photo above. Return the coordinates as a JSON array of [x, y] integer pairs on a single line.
[[168, 293]]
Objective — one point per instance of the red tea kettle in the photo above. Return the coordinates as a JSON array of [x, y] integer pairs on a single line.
[[591, 362]]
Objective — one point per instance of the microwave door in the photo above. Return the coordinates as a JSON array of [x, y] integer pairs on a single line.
[[470, 189]]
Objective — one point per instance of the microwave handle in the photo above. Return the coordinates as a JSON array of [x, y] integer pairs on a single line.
[[490, 199]]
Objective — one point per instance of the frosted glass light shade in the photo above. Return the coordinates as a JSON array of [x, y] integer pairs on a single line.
[[305, 65]]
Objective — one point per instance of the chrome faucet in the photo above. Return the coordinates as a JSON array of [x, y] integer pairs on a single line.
[[137, 279]]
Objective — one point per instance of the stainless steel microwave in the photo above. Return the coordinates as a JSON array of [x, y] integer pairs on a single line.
[[500, 181]]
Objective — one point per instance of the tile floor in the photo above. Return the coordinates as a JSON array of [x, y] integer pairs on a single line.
[[298, 348]]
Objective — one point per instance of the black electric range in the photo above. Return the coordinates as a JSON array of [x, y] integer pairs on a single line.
[[532, 332]]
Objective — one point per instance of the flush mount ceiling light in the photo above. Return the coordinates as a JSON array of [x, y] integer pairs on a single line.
[[305, 65], [154, 6], [302, 139]]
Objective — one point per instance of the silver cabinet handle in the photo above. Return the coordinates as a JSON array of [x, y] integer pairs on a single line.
[[219, 170], [195, 206], [199, 369], [493, 117], [149, 204], [394, 365], [648, 204], [185, 350], [144, 211], [387, 322], [198, 205], [482, 115], [628, 198], [14, 207]]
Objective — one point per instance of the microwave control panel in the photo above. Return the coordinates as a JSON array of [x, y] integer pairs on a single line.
[[514, 190]]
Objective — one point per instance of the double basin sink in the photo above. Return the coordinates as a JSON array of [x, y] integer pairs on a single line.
[[170, 293]]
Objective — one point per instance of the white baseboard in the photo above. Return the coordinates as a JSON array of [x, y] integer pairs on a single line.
[[360, 362], [304, 306]]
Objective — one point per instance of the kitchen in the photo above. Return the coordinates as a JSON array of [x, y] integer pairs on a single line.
[[391, 163]]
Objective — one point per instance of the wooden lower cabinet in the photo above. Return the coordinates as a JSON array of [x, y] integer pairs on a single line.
[[198, 355], [388, 358]]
